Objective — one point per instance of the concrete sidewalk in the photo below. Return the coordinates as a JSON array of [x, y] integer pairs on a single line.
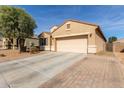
[[34, 71]]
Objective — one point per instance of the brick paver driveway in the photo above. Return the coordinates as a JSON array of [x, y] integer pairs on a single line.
[[94, 71], [34, 71]]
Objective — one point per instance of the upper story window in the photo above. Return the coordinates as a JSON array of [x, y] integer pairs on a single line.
[[68, 26]]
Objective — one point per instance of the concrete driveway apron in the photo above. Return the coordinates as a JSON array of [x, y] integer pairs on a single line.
[[34, 71]]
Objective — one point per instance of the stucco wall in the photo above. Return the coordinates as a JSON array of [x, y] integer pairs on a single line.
[[100, 43], [96, 42], [4, 43], [46, 47], [118, 47], [76, 28]]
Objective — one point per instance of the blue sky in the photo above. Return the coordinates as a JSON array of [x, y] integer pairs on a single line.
[[110, 18]]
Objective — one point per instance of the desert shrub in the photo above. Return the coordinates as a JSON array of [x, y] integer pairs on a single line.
[[33, 49], [2, 55]]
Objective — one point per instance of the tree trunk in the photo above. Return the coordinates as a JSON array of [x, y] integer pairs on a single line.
[[21, 45], [14, 43]]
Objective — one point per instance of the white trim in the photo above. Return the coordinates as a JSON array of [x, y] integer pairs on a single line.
[[92, 49], [68, 29], [90, 46]]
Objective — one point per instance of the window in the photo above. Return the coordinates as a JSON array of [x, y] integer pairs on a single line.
[[46, 41], [68, 26], [43, 41]]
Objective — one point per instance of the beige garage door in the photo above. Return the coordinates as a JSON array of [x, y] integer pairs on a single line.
[[72, 44]]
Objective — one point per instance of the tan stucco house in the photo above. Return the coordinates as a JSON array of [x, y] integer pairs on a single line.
[[118, 46], [5, 43], [75, 36]]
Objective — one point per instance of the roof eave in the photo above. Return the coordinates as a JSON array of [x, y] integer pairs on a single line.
[[102, 33], [77, 22]]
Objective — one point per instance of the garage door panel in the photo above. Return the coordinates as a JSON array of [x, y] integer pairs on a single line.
[[72, 44]]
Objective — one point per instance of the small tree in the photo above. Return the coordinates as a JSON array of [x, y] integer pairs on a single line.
[[112, 39]]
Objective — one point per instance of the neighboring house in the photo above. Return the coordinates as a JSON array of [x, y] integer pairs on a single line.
[[2, 42], [45, 41], [118, 46], [75, 36], [6, 43], [29, 41]]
